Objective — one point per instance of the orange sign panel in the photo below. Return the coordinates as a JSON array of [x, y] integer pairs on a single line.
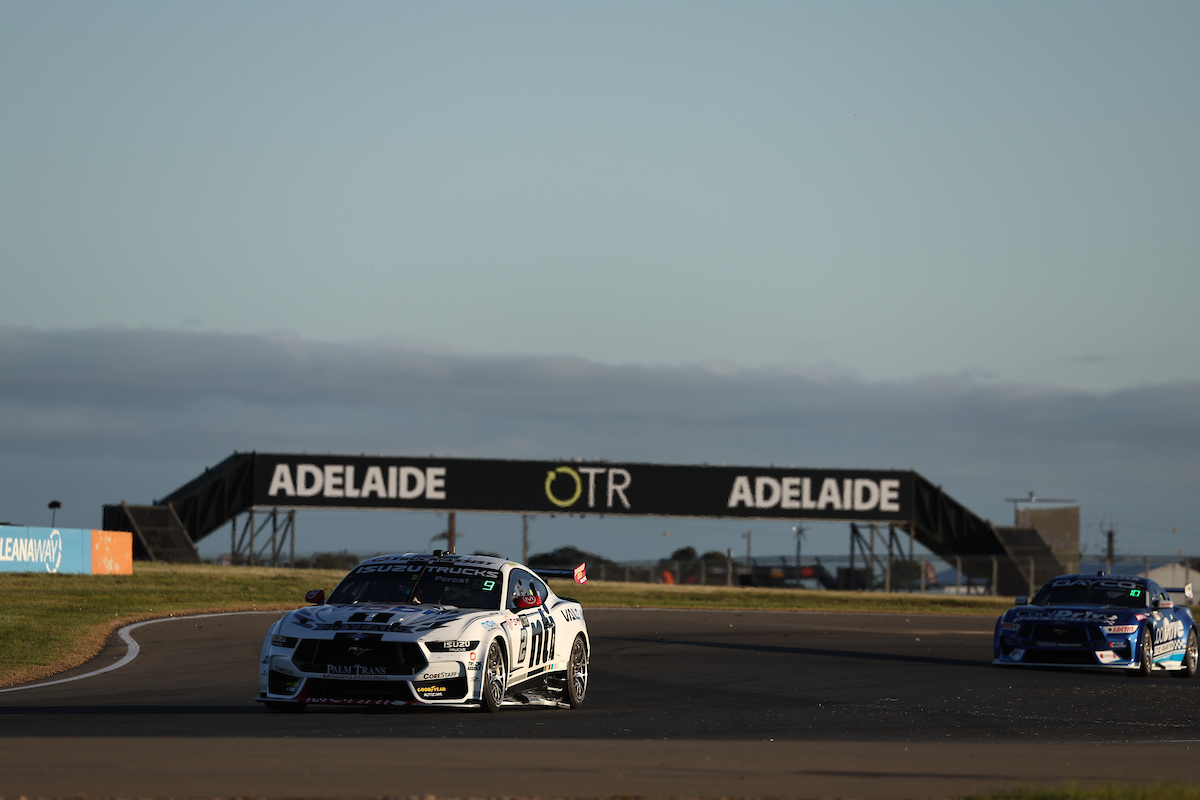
[[112, 553]]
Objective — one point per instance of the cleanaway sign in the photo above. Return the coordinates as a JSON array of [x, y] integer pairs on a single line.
[[65, 550]]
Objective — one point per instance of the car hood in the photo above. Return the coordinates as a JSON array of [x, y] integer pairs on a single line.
[[381, 618]]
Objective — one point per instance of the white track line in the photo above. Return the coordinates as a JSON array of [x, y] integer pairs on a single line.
[[132, 648]]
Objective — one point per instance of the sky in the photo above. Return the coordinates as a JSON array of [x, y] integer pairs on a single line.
[[956, 237]]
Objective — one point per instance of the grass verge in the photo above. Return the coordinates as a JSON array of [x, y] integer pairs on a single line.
[[51, 623]]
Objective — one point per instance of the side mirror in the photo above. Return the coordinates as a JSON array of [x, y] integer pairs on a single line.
[[1022, 600], [315, 596], [1160, 603], [528, 601]]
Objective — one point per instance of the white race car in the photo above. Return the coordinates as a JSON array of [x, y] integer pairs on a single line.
[[437, 630]]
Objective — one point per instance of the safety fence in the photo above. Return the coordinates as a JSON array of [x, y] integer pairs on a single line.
[[968, 575]]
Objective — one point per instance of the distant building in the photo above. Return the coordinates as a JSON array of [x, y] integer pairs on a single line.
[[1176, 575]]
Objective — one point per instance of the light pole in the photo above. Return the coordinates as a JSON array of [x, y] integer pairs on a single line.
[[799, 531], [524, 538], [54, 506]]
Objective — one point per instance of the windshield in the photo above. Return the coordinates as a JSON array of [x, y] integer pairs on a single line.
[[419, 583], [1080, 592]]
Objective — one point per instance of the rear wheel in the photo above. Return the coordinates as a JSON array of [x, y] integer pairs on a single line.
[[495, 677], [577, 673], [1191, 655]]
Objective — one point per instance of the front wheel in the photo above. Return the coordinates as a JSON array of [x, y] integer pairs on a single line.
[[1191, 655], [1144, 667], [577, 673], [495, 678]]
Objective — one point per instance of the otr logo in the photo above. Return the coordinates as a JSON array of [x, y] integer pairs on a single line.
[[564, 486]]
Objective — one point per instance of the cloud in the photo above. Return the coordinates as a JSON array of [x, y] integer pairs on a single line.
[[157, 406]]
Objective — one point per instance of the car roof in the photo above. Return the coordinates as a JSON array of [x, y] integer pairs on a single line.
[[494, 562], [1105, 576]]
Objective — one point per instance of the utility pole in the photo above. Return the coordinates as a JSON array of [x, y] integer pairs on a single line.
[[749, 554], [524, 538], [450, 534], [1110, 534]]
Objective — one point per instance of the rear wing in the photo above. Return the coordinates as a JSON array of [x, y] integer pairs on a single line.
[[579, 574], [1186, 591]]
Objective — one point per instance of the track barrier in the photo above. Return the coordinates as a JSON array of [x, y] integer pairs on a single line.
[[75, 551]]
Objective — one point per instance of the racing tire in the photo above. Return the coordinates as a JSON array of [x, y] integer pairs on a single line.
[[1191, 655], [1146, 665], [495, 678], [284, 708], [577, 672]]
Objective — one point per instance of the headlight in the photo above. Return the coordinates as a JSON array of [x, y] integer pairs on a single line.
[[1112, 629], [452, 646], [284, 641]]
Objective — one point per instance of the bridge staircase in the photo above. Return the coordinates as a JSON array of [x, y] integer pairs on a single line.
[[1022, 557], [158, 533]]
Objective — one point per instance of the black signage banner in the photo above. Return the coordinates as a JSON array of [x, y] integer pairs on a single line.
[[568, 487]]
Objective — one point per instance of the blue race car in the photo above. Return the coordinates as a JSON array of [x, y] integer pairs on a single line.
[[1103, 621]]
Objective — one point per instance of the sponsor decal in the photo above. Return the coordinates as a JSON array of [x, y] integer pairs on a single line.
[[1111, 630], [1009, 626], [488, 625], [283, 665], [438, 676], [353, 671], [1103, 583], [1107, 656], [1067, 615], [456, 646], [436, 689], [565, 486], [340, 481], [796, 492], [541, 643], [571, 614], [47, 551], [475, 572], [1171, 631], [1168, 638]]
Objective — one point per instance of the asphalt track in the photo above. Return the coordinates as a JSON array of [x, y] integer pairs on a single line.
[[681, 703]]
